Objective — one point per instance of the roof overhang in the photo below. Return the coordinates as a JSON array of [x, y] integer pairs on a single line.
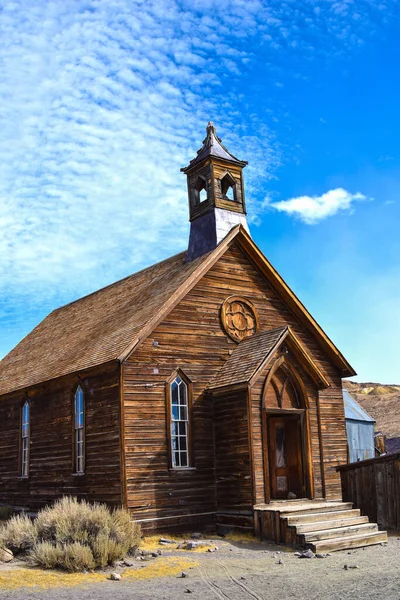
[[284, 338]]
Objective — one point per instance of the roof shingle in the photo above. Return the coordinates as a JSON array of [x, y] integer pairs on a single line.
[[95, 329], [247, 357]]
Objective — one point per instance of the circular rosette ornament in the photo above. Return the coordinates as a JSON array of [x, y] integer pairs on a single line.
[[239, 318]]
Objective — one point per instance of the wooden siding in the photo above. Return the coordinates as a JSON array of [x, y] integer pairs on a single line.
[[232, 453], [191, 338], [51, 442], [373, 486]]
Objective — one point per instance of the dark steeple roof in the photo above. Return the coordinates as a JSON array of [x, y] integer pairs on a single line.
[[212, 146]]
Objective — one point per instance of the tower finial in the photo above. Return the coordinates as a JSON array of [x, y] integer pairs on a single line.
[[211, 129]]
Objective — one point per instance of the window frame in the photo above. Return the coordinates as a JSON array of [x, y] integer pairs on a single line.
[[75, 429], [189, 438], [25, 442]]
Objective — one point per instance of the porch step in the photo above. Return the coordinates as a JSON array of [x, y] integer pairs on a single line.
[[292, 506], [319, 508], [344, 543], [314, 517], [337, 532], [332, 524], [321, 526]]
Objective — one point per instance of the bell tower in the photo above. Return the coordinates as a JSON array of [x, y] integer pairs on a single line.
[[216, 195]]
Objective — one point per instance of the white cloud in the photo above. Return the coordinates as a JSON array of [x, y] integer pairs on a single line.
[[103, 101], [312, 209]]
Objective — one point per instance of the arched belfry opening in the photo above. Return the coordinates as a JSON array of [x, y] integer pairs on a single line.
[[200, 190], [228, 187], [216, 195]]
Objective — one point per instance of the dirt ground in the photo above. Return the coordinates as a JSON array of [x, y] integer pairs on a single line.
[[238, 570]]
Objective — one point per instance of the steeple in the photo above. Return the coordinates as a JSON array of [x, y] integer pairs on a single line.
[[216, 194]]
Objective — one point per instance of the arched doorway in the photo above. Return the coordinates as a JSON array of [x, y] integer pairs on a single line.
[[285, 425]]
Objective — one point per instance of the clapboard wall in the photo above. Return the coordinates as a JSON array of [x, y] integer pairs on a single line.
[[51, 472], [191, 338]]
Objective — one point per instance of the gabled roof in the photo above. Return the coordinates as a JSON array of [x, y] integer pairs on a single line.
[[110, 323], [352, 410], [95, 329], [246, 358], [213, 146], [254, 353]]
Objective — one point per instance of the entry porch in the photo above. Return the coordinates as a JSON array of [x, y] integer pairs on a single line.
[[322, 526]]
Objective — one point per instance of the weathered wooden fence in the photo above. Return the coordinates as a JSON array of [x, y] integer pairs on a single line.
[[374, 487]]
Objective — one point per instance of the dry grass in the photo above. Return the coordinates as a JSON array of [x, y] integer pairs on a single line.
[[245, 538], [37, 578], [152, 543]]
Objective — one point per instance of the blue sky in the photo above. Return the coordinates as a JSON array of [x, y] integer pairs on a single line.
[[104, 100]]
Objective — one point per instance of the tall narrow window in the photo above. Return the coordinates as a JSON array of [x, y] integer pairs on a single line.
[[179, 422], [79, 431], [25, 425]]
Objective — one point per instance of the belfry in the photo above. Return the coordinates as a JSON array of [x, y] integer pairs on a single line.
[[216, 195]]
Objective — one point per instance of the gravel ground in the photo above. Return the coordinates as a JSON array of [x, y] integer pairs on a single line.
[[243, 571]]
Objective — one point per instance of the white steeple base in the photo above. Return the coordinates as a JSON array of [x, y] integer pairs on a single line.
[[209, 229]]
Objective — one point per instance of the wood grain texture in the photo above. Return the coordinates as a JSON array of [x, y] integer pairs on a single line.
[[191, 338], [373, 486], [175, 325], [51, 471]]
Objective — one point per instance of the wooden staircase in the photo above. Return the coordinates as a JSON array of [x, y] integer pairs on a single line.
[[319, 525]]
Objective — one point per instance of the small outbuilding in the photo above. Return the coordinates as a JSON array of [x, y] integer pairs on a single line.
[[360, 430]]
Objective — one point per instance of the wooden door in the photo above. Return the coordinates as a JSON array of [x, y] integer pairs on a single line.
[[285, 456]]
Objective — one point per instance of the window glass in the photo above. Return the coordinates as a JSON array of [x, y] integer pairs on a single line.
[[79, 436], [25, 440], [179, 423]]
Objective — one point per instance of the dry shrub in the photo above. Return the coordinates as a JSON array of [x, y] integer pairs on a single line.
[[18, 534], [71, 557], [77, 557], [46, 555], [83, 535]]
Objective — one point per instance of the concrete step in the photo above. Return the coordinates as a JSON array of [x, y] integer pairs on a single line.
[[344, 543], [313, 517], [337, 532], [331, 524], [320, 508]]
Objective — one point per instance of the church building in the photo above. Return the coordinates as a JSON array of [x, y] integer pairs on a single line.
[[198, 392]]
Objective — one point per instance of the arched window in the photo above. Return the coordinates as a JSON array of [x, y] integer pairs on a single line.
[[228, 187], [25, 435], [178, 396], [79, 441]]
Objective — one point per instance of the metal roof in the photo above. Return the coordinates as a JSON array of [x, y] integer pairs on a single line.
[[352, 410]]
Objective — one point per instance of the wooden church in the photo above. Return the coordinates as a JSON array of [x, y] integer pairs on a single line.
[[197, 392]]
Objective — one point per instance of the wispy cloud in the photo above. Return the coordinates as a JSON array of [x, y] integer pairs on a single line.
[[312, 209], [103, 101]]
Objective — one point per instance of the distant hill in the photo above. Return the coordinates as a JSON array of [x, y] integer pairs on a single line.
[[381, 401]]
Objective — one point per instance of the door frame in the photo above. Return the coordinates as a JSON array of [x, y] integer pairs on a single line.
[[305, 430], [283, 415]]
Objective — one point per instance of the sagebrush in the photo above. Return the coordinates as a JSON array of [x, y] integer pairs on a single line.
[[18, 534], [73, 535]]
